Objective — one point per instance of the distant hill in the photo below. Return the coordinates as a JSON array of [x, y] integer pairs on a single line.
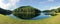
[[5, 12]]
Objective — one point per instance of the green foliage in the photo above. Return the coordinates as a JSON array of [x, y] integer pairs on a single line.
[[51, 12], [54, 10], [26, 12], [47, 11], [58, 9]]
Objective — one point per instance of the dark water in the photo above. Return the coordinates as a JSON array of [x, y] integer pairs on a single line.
[[42, 16]]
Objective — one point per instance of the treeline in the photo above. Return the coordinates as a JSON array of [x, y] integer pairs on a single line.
[[5, 12], [52, 11]]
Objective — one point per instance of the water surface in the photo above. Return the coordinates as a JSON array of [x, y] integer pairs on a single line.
[[42, 16]]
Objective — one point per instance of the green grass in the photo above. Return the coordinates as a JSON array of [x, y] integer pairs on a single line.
[[8, 20]]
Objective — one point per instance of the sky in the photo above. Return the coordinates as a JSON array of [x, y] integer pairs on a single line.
[[39, 4]]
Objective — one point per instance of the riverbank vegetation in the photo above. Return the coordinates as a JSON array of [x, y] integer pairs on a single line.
[[52, 11]]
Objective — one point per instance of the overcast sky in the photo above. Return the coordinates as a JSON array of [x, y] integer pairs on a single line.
[[40, 4]]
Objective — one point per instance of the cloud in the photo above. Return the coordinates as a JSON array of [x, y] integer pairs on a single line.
[[55, 7], [50, 0], [9, 5]]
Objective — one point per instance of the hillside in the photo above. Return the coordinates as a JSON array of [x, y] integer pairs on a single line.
[[8, 20]]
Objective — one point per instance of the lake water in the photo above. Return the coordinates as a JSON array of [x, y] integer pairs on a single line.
[[42, 16]]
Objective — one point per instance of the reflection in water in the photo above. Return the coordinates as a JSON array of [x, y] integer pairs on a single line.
[[42, 16], [12, 16]]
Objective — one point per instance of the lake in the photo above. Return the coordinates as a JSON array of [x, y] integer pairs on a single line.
[[42, 16]]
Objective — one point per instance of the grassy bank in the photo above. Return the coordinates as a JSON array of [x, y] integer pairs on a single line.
[[7, 20]]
